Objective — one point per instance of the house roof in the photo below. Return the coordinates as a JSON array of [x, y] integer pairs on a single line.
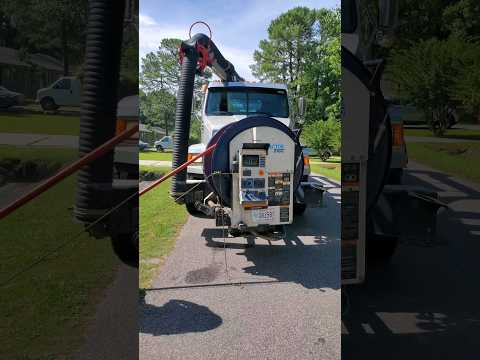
[[11, 56]]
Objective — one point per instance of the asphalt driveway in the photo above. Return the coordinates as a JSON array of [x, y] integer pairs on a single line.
[[246, 298], [425, 304]]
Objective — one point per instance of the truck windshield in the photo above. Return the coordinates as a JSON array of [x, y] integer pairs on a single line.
[[247, 101]]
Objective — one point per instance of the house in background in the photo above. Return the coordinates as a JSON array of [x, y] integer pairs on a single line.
[[26, 73], [150, 134]]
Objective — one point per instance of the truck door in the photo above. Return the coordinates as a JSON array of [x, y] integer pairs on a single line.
[[62, 91], [76, 93]]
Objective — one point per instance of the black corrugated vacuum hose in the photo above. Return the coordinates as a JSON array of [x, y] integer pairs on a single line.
[[182, 119], [99, 104]]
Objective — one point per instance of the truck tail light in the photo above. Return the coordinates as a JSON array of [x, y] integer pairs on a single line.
[[121, 126], [191, 155], [398, 135], [306, 160]]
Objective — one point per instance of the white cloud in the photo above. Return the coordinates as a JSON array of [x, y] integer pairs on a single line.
[[146, 20], [151, 34], [240, 58]]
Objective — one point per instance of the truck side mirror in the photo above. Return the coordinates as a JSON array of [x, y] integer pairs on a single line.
[[301, 106]]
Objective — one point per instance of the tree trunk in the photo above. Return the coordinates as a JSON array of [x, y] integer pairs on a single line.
[[66, 65]]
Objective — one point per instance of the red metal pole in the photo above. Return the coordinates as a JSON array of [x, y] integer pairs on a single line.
[[70, 169], [177, 170]]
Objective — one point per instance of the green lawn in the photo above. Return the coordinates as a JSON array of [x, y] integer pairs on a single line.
[[160, 221], [459, 160], [330, 168], [326, 169], [154, 155], [154, 169], [450, 133], [46, 310], [331, 159], [39, 124], [44, 153]]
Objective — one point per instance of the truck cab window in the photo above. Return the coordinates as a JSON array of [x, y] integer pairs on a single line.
[[245, 101], [63, 84]]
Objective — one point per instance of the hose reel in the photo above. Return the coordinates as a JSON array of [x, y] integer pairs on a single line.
[[217, 165]]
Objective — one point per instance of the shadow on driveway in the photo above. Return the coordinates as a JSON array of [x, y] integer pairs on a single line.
[[426, 303], [308, 255], [176, 317]]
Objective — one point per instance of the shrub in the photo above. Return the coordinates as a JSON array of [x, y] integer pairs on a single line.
[[424, 74], [323, 135]]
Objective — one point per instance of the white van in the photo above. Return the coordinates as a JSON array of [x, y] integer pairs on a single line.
[[66, 91]]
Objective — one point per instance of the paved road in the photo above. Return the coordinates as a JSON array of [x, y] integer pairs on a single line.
[[424, 305], [456, 126], [113, 331], [433, 139], [468, 126], [155, 162], [64, 141], [285, 304]]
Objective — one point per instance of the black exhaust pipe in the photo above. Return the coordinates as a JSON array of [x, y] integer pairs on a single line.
[[223, 69], [183, 115], [99, 105]]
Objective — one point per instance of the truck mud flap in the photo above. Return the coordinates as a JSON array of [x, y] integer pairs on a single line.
[[407, 212], [310, 194]]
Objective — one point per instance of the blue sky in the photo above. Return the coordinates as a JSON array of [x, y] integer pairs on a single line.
[[237, 26]]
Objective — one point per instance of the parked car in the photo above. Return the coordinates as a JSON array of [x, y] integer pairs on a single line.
[[142, 145], [10, 98], [66, 91], [164, 143]]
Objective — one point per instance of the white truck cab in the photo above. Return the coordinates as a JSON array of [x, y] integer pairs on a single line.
[[228, 102], [66, 91]]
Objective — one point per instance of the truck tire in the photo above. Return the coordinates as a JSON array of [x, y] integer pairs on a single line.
[[395, 177], [380, 249], [48, 104], [160, 148], [299, 209], [192, 210], [451, 120], [325, 155], [125, 247], [234, 232]]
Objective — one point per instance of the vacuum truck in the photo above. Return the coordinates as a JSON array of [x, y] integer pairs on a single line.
[[107, 189], [375, 215], [256, 177]]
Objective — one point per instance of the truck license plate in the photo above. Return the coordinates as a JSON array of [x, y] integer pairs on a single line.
[[262, 215]]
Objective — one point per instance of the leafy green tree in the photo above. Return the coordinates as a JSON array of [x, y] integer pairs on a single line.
[[161, 69], [421, 20], [158, 109], [323, 135], [462, 18], [159, 79], [55, 27], [465, 89], [424, 74], [129, 62], [303, 51], [283, 56]]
